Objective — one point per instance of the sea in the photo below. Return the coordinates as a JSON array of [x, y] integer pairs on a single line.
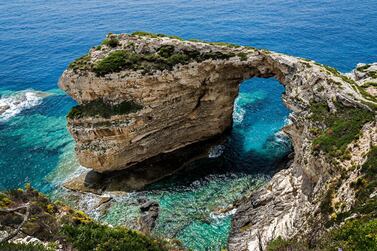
[[38, 39]]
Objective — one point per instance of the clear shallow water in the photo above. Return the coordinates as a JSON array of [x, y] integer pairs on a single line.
[[38, 39]]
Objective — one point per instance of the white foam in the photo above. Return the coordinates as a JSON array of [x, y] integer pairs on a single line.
[[216, 151], [13, 104], [238, 112], [288, 120], [218, 216]]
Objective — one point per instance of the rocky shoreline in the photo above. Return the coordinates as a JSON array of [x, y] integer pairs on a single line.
[[145, 110]]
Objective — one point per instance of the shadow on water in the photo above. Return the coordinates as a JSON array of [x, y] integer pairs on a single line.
[[229, 163]]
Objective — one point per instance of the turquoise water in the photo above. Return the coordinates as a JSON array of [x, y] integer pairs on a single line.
[[39, 38]]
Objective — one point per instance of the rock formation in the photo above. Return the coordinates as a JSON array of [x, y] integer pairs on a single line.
[[149, 213], [143, 95]]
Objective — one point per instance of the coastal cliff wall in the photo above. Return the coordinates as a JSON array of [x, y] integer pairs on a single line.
[[179, 106], [142, 95]]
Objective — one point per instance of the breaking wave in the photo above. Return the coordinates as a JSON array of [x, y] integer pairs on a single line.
[[14, 103], [238, 112]]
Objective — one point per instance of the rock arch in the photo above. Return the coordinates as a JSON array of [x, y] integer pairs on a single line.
[[190, 103], [187, 97]]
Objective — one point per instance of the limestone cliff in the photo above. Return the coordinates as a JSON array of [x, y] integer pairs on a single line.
[[142, 95]]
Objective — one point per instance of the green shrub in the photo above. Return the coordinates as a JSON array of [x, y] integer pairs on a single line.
[[4, 200], [242, 56], [170, 36], [82, 63], [356, 234], [372, 74], [22, 247], [230, 45], [216, 55], [50, 222], [341, 129], [332, 70], [366, 94], [144, 33], [177, 58], [363, 68], [165, 59], [280, 244], [370, 166], [111, 41], [102, 109], [98, 237], [115, 62], [153, 35], [326, 206], [368, 84], [366, 185], [166, 51]]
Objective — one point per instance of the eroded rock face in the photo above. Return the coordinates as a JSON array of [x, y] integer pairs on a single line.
[[192, 102]]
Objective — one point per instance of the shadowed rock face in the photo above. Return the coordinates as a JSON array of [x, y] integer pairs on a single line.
[[193, 101]]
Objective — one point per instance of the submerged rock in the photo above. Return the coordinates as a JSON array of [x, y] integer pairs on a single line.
[[149, 214]]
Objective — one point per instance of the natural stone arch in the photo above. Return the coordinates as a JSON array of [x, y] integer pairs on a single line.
[[193, 101], [190, 103]]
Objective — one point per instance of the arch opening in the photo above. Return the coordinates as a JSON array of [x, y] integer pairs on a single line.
[[200, 197]]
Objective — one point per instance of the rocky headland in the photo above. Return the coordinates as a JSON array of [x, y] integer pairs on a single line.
[[143, 95]]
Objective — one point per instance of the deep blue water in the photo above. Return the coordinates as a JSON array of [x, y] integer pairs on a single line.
[[39, 38]]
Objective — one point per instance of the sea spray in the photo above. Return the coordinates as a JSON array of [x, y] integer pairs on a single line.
[[216, 151], [14, 103], [238, 111]]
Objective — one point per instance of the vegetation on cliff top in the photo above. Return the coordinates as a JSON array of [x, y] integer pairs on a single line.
[[165, 58], [57, 223], [102, 109], [363, 68], [111, 41], [81, 64], [153, 35], [25, 247]]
